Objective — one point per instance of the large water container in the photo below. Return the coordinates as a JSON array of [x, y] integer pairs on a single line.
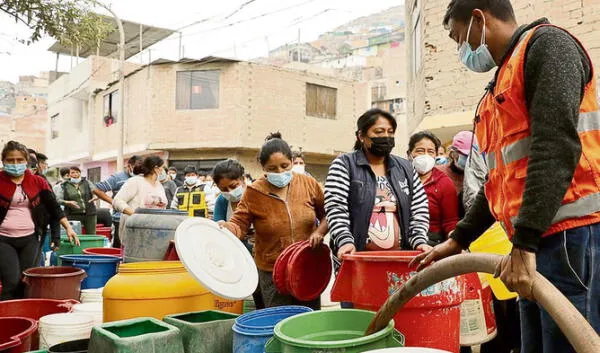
[[157, 289], [146, 234]]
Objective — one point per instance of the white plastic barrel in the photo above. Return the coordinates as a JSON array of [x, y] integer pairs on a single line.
[[59, 328], [94, 309], [91, 295]]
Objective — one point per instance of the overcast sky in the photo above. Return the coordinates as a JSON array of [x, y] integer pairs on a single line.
[[263, 24]]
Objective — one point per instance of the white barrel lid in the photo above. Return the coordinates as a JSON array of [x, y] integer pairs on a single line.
[[216, 258]]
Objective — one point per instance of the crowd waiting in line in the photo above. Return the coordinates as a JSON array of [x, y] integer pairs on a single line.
[[371, 200], [395, 202]]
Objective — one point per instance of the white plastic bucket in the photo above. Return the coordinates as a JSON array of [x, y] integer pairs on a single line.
[[408, 350], [59, 328], [94, 309], [91, 295]]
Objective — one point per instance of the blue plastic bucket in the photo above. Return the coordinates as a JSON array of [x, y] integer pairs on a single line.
[[99, 268], [251, 331]]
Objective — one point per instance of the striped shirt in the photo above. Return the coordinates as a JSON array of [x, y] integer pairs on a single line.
[[337, 196]]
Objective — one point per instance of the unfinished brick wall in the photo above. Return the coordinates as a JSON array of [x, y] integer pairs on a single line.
[[444, 85]]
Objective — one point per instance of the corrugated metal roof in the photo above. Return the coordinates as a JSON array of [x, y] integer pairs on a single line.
[[109, 47]]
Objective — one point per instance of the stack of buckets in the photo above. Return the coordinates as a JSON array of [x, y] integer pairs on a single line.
[[53, 314]]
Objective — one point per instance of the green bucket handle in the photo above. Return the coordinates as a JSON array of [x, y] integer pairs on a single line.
[[397, 339], [273, 345]]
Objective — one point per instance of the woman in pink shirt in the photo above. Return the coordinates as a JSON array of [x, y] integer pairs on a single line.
[[24, 200]]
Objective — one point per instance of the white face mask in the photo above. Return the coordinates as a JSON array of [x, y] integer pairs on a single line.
[[423, 164], [299, 168]]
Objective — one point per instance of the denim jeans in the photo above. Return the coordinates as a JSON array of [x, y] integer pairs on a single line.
[[570, 260]]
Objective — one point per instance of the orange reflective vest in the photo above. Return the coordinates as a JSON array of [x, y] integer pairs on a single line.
[[504, 135]]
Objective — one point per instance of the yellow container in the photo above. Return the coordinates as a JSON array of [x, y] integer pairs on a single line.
[[156, 289], [494, 241]]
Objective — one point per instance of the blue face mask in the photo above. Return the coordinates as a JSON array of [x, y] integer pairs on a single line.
[[280, 180], [76, 180], [15, 169], [462, 162], [480, 59], [191, 180], [441, 160], [234, 195]]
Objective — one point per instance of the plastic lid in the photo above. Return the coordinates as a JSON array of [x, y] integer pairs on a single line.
[[216, 258], [309, 271]]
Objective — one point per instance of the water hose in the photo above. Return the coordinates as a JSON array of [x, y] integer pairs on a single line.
[[578, 331]]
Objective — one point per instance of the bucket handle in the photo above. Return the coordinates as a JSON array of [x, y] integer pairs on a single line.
[[82, 264], [397, 339], [273, 345]]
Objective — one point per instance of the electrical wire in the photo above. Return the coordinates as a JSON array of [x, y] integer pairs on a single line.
[[231, 24]]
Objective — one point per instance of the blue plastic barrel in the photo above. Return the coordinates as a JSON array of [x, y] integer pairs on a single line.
[[99, 268], [251, 331]]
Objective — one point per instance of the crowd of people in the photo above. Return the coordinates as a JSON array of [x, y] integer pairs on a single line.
[[283, 206], [531, 164]]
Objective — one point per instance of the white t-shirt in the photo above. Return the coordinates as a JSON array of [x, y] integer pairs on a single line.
[[137, 192]]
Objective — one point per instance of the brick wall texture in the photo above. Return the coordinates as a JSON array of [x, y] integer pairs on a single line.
[[444, 85]]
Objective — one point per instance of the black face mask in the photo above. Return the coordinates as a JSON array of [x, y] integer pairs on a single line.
[[382, 146]]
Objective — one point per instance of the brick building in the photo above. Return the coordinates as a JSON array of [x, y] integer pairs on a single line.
[[442, 94], [200, 112], [26, 120]]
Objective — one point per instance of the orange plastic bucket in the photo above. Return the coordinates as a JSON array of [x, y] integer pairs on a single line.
[[431, 319]]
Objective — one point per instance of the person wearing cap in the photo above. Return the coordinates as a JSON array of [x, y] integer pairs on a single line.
[[458, 153], [191, 197]]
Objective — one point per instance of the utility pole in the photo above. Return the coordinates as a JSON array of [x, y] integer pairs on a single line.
[[121, 116]]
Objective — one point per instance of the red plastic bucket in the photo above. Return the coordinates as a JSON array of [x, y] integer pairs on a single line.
[[105, 232], [431, 319], [16, 334], [104, 251], [55, 282], [171, 253], [309, 271], [35, 309]]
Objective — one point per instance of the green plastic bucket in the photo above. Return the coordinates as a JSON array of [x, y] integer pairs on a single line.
[[136, 335], [204, 331], [332, 331], [87, 241]]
